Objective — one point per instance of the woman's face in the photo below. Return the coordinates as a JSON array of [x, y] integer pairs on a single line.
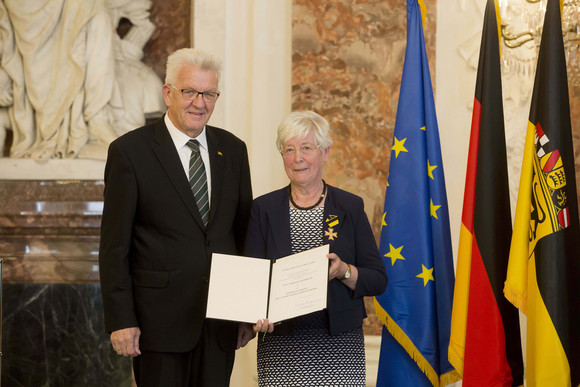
[[304, 160]]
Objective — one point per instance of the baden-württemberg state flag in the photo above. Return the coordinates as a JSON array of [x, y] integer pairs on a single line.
[[415, 237], [543, 277], [485, 346]]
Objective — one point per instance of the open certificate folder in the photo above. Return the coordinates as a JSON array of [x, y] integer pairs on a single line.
[[249, 289]]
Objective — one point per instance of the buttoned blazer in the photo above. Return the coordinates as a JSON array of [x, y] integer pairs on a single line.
[[155, 253], [346, 229]]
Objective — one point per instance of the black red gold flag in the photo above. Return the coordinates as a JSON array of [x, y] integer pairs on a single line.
[[485, 345]]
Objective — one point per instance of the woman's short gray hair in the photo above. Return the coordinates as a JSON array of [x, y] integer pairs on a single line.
[[193, 57], [299, 124]]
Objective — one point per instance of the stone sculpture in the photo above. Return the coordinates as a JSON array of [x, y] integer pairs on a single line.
[[69, 84]]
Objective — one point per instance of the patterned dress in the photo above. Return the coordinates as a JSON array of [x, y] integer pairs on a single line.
[[311, 356]]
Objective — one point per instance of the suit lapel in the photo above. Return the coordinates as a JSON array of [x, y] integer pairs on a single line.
[[216, 160], [279, 218], [165, 151]]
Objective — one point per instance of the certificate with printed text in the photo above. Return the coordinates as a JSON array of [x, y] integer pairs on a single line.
[[249, 289]]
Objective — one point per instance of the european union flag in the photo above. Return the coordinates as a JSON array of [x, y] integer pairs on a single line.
[[415, 237]]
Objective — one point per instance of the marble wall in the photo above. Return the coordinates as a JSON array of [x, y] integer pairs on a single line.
[[575, 114], [52, 322], [54, 336], [173, 25], [347, 66]]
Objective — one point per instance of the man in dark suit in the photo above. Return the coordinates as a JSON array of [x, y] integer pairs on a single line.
[[165, 213]]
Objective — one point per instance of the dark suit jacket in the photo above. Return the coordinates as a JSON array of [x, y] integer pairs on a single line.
[[346, 229], [155, 253]]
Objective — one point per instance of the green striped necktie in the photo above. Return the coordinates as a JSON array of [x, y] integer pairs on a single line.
[[198, 181]]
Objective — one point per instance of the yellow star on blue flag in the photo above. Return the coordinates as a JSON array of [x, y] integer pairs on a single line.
[[399, 146], [427, 275], [394, 253], [430, 169]]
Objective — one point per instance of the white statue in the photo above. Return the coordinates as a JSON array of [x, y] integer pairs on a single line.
[[6, 97], [138, 85], [71, 96]]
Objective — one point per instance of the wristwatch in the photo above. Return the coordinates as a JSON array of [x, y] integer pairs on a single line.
[[346, 273]]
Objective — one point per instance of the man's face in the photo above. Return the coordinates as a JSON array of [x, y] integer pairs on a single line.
[[190, 116]]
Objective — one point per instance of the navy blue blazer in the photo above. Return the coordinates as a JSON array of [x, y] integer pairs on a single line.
[[346, 229]]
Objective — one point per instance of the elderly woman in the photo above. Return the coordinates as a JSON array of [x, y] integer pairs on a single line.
[[324, 348]]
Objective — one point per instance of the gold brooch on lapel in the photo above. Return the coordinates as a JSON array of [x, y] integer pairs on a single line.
[[331, 234], [220, 153], [332, 221]]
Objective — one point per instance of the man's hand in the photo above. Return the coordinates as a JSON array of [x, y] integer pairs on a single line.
[[126, 341], [245, 334]]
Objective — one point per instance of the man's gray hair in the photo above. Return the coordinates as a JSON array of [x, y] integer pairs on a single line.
[[192, 57]]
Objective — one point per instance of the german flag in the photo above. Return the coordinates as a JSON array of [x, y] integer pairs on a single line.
[[485, 344], [543, 277]]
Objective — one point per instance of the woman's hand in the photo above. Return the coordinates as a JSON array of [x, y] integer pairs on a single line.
[[247, 332], [264, 326], [338, 268]]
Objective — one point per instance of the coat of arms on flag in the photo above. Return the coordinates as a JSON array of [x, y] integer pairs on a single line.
[[549, 212]]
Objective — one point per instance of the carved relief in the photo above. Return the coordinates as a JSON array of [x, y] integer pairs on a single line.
[[72, 79]]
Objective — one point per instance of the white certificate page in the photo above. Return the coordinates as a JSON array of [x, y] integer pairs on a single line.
[[239, 286], [299, 284]]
